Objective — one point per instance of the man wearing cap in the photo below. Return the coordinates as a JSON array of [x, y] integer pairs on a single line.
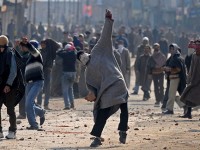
[[107, 88], [139, 52], [34, 78], [191, 94], [156, 63], [68, 56]]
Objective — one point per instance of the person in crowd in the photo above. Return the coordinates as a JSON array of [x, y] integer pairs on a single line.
[[11, 30], [156, 64], [190, 95], [48, 52], [140, 51], [8, 86], [122, 36], [145, 77], [107, 88], [176, 71], [34, 77], [126, 62], [41, 30], [68, 55], [132, 39], [148, 33], [183, 43], [163, 45], [56, 74], [188, 58], [24, 57], [170, 36], [84, 44]]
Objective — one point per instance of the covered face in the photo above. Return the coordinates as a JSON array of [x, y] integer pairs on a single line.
[[173, 48], [191, 47], [83, 57]]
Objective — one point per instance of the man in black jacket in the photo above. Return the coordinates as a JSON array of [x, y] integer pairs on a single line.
[[8, 85], [48, 52], [68, 56]]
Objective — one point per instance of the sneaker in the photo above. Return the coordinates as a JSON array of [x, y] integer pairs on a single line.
[[11, 135], [96, 142], [1, 135], [21, 117], [32, 128], [168, 112], [134, 93], [42, 119], [122, 137]]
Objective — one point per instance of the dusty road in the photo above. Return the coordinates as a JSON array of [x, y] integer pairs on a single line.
[[69, 129]]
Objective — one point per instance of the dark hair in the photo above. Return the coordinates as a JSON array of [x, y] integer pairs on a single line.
[[43, 42], [79, 53]]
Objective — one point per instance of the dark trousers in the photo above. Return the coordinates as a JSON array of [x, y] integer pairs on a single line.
[[22, 106], [158, 80], [9, 101], [103, 115], [46, 88]]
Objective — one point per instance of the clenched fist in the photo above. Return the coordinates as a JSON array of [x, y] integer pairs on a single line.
[[90, 97], [108, 14]]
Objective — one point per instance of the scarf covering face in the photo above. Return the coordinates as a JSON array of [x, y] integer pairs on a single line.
[[190, 51], [120, 48]]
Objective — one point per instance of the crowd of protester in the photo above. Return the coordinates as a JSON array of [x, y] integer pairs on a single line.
[[52, 70]]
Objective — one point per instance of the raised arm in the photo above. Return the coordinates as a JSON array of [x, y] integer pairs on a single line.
[[106, 35]]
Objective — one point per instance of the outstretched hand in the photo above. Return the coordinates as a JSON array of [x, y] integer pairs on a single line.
[[108, 14]]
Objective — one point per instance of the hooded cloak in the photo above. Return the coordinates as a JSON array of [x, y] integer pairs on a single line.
[[103, 75]]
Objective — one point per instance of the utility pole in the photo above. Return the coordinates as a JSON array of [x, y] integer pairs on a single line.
[[77, 12], [34, 12], [16, 7], [48, 16], [183, 9], [30, 11]]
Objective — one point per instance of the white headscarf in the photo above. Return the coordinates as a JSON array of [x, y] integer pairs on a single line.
[[84, 58]]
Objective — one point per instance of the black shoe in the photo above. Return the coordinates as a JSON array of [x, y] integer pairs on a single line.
[[96, 142], [134, 93], [66, 108], [32, 128], [42, 119], [72, 105], [21, 117], [168, 112], [189, 116], [122, 137], [146, 99]]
